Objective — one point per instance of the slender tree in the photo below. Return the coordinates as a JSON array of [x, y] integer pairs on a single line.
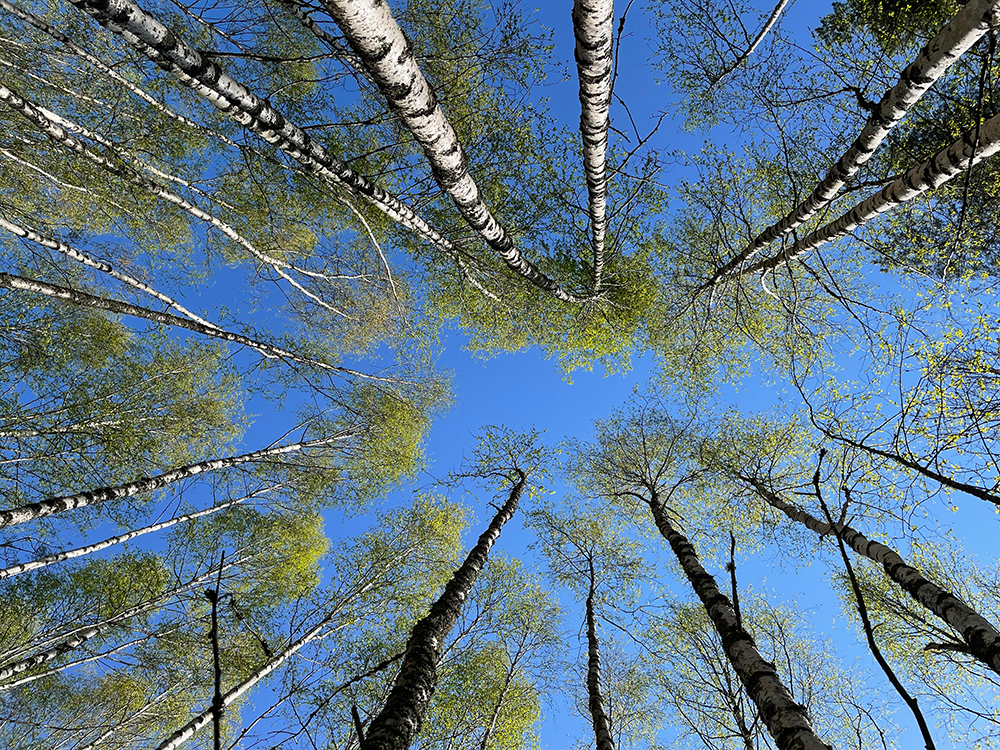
[[512, 458]]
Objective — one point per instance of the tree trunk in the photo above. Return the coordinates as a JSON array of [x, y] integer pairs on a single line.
[[174, 55], [53, 127], [83, 299], [58, 557], [78, 636], [367, 581], [43, 508], [69, 665], [785, 719], [768, 25], [403, 713], [602, 731], [981, 637], [973, 147], [968, 26], [82, 257], [593, 22], [377, 39]]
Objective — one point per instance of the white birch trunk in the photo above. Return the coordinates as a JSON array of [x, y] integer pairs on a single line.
[[978, 633], [203, 719], [968, 26], [173, 54], [377, 39], [975, 146], [83, 299], [69, 251], [786, 720], [593, 23], [768, 25], [99, 64], [58, 557], [78, 636], [69, 665], [366, 581], [52, 126], [51, 506]]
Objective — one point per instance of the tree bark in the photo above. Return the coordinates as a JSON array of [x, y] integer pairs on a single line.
[[69, 665], [83, 299], [174, 55], [768, 25], [400, 719], [58, 557], [69, 251], [968, 26], [381, 45], [593, 22], [48, 507], [973, 147], [52, 126], [786, 720], [602, 730], [77, 637], [981, 637]]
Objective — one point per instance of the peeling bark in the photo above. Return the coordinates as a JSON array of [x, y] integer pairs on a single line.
[[982, 638], [399, 721], [379, 42], [968, 26], [593, 22], [786, 720]]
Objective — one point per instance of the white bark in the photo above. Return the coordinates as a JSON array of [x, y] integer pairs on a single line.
[[186, 732], [69, 665], [377, 39], [47, 28], [83, 299], [975, 146], [58, 557], [979, 634], [51, 506], [365, 582], [593, 22], [78, 636], [56, 132], [207, 78], [78, 255], [968, 26]]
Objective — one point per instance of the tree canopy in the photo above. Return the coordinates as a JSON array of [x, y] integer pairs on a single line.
[[299, 302]]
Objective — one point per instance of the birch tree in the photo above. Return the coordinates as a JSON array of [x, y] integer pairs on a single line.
[[643, 458], [510, 458]]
